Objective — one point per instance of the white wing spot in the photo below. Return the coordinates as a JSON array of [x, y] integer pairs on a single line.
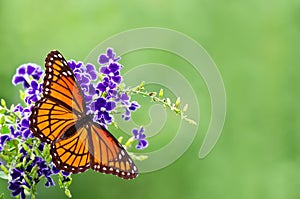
[[59, 55], [120, 156], [65, 166], [130, 161], [55, 56], [69, 72], [104, 169], [49, 63], [134, 168], [123, 173], [50, 69], [65, 63], [64, 73], [117, 170], [123, 153], [111, 169], [51, 58]]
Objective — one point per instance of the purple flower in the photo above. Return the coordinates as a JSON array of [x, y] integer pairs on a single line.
[[140, 137], [22, 129], [3, 139], [102, 108], [128, 105], [73, 65], [91, 71], [107, 86], [112, 71], [109, 56], [85, 74], [24, 72], [17, 184], [33, 92]]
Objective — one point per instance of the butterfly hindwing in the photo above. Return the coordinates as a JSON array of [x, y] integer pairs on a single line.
[[108, 154], [71, 153], [90, 145]]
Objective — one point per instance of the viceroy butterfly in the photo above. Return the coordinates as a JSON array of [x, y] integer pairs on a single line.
[[77, 142]]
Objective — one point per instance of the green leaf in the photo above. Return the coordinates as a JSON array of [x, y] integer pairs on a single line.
[[1, 195], [2, 110], [3, 103], [12, 119], [3, 176], [2, 120], [5, 130]]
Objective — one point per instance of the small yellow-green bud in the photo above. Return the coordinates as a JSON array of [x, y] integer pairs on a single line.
[[161, 93], [177, 103], [3, 103]]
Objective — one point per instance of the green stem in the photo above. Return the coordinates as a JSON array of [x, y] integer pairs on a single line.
[[165, 102]]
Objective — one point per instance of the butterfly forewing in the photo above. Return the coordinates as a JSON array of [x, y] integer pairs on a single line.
[[48, 120], [60, 84]]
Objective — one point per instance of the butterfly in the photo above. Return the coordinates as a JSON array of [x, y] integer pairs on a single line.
[[77, 143]]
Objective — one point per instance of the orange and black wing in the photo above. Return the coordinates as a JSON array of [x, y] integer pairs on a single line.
[[62, 103], [92, 146], [108, 155]]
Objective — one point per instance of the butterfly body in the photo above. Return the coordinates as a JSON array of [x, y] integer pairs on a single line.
[[77, 142]]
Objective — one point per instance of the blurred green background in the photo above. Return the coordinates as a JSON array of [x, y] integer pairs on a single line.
[[255, 45]]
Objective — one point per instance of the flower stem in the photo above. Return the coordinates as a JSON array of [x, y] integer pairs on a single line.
[[166, 102]]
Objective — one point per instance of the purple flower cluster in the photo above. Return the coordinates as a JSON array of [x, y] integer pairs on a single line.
[[103, 97], [22, 177], [29, 75], [26, 73], [22, 128]]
